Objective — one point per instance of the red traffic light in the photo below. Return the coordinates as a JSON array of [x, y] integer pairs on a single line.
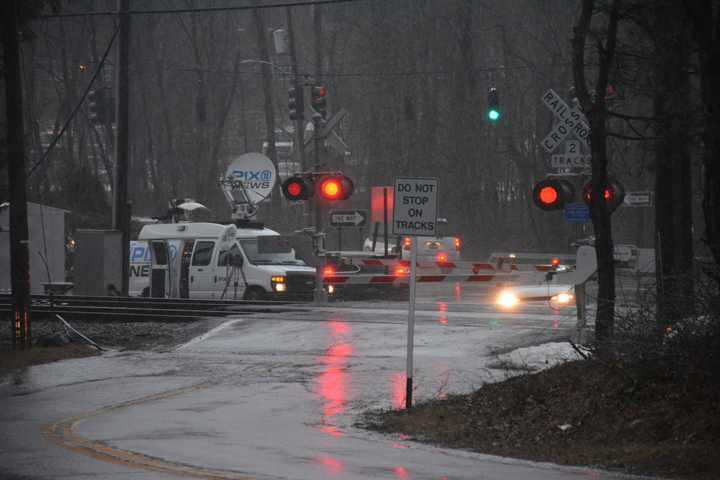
[[318, 91], [335, 187], [318, 94], [613, 194], [297, 188], [553, 194]]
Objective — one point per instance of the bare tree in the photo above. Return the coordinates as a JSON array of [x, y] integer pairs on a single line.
[[595, 108]]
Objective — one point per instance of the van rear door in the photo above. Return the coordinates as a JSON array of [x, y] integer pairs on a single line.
[[202, 270]]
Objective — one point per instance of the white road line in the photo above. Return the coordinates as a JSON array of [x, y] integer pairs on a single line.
[[208, 334]]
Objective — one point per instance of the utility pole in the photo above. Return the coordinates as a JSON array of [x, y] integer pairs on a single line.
[[299, 88], [121, 206], [320, 293], [267, 77], [19, 239]]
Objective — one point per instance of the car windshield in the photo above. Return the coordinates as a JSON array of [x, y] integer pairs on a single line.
[[250, 247]]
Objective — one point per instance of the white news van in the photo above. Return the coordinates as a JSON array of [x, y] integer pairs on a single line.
[[211, 260]]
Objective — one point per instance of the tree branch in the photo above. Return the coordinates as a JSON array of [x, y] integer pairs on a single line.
[[580, 32]]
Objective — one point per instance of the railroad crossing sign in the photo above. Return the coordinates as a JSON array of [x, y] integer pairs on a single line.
[[572, 158], [348, 218], [571, 120], [415, 207]]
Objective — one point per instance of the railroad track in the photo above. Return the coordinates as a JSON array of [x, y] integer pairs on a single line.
[[140, 308]]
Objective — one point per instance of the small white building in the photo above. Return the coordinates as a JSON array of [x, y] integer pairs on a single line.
[[46, 228]]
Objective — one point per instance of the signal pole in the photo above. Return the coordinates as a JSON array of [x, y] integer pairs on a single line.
[[297, 84], [19, 238], [121, 206], [320, 293]]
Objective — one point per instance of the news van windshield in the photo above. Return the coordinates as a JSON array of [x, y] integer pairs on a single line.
[[269, 250]]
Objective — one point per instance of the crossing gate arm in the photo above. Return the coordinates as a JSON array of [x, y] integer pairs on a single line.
[[435, 272], [585, 267]]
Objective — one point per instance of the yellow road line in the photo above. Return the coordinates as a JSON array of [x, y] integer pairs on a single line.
[[62, 433]]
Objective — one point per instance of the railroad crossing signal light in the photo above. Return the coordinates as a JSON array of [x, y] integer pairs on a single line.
[[553, 194], [614, 194], [493, 105], [298, 188], [319, 99], [295, 103], [335, 187]]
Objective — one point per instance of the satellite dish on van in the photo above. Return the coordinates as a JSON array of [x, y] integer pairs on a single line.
[[248, 180]]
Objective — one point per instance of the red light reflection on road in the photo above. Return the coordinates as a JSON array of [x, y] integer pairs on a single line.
[[331, 464], [398, 390], [443, 308], [458, 292], [333, 382], [338, 328], [401, 472]]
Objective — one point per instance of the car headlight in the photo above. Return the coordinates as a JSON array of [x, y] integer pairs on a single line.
[[507, 299], [561, 300]]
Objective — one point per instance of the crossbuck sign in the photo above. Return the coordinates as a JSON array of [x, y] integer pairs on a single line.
[[571, 120], [415, 207]]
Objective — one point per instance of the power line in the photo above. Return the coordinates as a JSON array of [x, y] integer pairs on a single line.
[[204, 10], [77, 107], [340, 74]]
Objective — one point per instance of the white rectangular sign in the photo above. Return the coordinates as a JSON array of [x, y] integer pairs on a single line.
[[638, 199], [572, 120], [415, 207], [570, 161]]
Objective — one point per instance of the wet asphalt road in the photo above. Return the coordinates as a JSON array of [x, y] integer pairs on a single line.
[[272, 396]]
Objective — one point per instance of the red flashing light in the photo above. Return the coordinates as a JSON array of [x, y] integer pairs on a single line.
[[330, 189], [400, 271], [555, 261], [335, 187], [613, 194], [457, 244], [328, 271], [442, 258], [297, 188], [548, 195], [552, 193], [407, 243], [294, 188]]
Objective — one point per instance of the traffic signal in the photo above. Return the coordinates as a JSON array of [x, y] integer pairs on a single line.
[[493, 105], [295, 103], [297, 188], [335, 187], [319, 99], [614, 194], [553, 194], [97, 107]]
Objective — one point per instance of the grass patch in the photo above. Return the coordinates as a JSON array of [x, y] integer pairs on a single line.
[[608, 419]]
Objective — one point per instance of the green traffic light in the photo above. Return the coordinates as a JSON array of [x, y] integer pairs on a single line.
[[493, 115]]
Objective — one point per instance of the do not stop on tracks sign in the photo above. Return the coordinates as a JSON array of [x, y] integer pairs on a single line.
[[415, 207], [414, 214]]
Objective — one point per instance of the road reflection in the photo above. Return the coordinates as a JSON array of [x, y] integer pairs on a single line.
[[334, 381], [332, 465], [443, 308], [398, 385]]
